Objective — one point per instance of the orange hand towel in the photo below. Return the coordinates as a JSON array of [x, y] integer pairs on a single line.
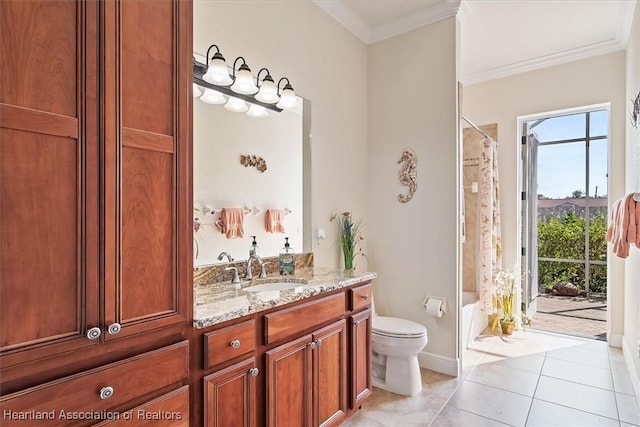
[[637, 223], [233, 220], [273, 219]]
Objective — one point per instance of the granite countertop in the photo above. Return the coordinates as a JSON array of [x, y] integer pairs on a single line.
[[218, 302]]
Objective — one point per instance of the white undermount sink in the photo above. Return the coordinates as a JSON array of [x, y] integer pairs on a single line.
[[275, 286]]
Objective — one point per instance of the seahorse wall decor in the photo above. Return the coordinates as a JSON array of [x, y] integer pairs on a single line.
[[253, 160], [635, 111], [408, 174]]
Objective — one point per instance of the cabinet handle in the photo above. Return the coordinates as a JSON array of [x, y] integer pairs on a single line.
[[94, 333], [254, 372], [312, 345], [106, 392], [114, 328], [364, 296], [235, 344], [318, 342]]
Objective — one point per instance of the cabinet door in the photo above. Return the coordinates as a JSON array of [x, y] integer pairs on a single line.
[[330, 378], [360, 357], [170, 410], [230, 396], [48, 178], [147, 157], [289, 384]]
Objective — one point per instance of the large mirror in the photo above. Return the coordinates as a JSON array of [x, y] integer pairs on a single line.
[[282, 142]]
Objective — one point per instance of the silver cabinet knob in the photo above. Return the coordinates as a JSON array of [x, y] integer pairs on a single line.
[[114, 328], [312, 345], [235, 344], [364, 296], [94, 333], [254, 372], [106, 392]]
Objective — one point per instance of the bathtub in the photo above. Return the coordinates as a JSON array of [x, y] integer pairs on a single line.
[[474, 321]]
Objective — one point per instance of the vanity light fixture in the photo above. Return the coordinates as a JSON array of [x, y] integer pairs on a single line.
[[268, 91], [196, 91], [217, 72], [214, 76], [257, 111], [287, 97], [236, 105], [211, 96], [243, 80]]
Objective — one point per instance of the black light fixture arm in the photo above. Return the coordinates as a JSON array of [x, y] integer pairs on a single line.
[[287, 86], [217, 53], [267, 77], [243, 65]]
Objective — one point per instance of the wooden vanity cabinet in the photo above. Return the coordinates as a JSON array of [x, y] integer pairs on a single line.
[[95, 187], [311, 361], [360, 322], [360, 358], [230, 396], [306, 379]]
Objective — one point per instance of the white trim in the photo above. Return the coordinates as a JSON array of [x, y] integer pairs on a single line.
[[625, 19], [345, 16], [564, 112], [628, 350], [423, 17], [615, 340], [596, 49], [339, 11], [442, 364]]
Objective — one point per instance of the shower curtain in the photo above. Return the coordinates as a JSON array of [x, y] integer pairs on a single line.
[[489, 248]]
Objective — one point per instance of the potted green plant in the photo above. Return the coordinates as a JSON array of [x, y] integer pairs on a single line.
[[505, 290], [349, 237]]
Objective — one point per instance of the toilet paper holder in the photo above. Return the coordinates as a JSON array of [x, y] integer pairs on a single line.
[[442, 302]]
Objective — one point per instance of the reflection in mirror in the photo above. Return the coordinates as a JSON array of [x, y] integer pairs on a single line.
[[279, 142]]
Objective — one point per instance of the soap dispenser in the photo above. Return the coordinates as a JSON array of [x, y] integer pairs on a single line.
[[253, 249], [287, 259]]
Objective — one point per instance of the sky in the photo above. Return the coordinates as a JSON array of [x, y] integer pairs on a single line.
[[561, 167]]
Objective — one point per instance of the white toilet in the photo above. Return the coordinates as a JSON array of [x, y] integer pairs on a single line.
[[396, 344]]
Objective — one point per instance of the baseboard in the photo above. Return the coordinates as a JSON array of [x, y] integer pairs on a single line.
[[615, 340], [435, 362], [630, 350]]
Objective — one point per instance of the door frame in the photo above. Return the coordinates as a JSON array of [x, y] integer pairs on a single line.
[[520, 225]]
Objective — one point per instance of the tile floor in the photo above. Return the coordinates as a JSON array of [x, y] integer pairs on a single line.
[[532, 378]]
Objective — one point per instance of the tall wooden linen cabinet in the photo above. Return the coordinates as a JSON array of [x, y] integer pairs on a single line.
[[95, 199]]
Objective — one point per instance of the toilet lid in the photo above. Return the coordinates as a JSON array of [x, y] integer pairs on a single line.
[[394, 327]]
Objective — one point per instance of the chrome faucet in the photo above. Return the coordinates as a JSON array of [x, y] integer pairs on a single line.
[[225, 254], [235, 279], [263, 273]]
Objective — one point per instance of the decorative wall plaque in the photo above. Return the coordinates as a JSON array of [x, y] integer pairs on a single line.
[[408, 174]]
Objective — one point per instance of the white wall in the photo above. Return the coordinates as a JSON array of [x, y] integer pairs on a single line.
[[631, 344], [219, 180], [413, 246], [581, 83], [326, 64]]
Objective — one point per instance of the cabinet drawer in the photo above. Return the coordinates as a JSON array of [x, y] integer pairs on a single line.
[[129, 379], [229, 343], [360, 297], [169, 410], [288, 322]]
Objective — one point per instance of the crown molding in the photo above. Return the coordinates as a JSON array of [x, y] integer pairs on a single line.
[[341, 13], [426, 16], [369, 35], [625, 20], [571, 55]]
